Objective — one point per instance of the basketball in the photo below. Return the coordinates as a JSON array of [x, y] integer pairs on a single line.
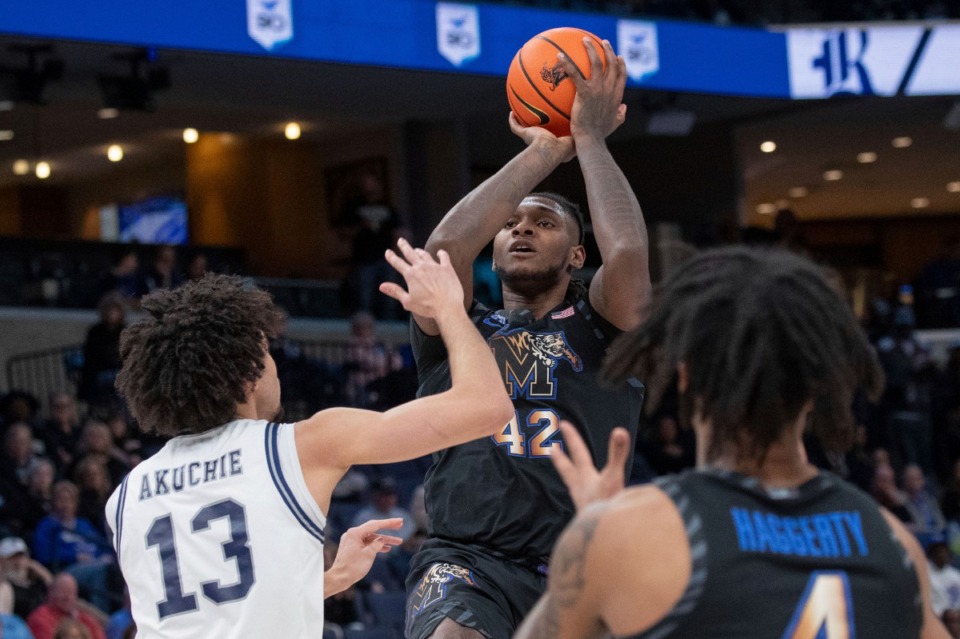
[[538, 89]]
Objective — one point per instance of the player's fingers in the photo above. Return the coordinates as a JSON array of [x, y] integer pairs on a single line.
[[373, 525], [408, 252], [575, 446], [618, 449], [564, 466], [444, 258], [395, 291], [515, 125], [397, 262], [575, 75], [596, 63], [389, 540]]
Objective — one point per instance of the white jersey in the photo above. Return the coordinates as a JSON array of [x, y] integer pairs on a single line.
[[218, 536]]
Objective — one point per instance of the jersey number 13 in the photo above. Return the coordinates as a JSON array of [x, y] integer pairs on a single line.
[[236, 548]]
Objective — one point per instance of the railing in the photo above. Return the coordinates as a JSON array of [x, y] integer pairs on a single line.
[[313, 374]]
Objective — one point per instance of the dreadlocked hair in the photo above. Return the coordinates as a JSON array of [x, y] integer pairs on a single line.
[[185, 366], [569, 207], [761, 333]]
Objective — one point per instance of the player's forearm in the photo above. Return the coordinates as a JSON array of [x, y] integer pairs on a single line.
[[475, 219], [334, 581], [475, 378], [618, 223]]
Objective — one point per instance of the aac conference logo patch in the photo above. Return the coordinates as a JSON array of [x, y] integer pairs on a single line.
[[458, 32], [269, 22], [637, 43]]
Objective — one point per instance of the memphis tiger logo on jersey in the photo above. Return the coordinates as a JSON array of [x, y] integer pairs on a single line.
[[528, 361]]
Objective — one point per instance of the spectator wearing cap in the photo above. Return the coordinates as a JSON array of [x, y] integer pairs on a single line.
[[944, 578], [383, 505], [28, 578], [62, 603]]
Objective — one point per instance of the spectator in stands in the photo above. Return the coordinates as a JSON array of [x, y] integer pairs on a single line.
[[93, 482], [71, 629], [28, 578], [375, 227], [163, 272], [64, 541], [101, 352], [122, 620], [944, 578], [197, 266], [18, 406], [125, 441], [884, 490], [62, 603], [671, 449], [40, 484], [96, 440], [368, 359], [928, 521], [6, 598], [61, 430], [18, 457], [124, 278], [13, 627], [383, 505]]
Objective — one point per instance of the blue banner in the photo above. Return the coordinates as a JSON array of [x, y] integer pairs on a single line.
[[415, 34]]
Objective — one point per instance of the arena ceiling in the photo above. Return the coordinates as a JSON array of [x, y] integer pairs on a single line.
[[256, 96]]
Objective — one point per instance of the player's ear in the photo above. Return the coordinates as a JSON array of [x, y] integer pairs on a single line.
[[578, 256]]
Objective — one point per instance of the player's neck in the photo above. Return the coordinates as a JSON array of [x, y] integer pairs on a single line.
[[539, 303], [782, 466]]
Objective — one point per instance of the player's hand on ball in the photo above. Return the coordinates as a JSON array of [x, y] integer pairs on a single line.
[[432, 286], [359, 546], [598, 108], [531, 135], [585, 483]]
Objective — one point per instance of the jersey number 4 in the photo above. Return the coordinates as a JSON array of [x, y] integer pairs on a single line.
[[512, 437], [161, 535], [825, 610]]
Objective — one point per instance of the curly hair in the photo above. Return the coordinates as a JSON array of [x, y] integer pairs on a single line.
[[761, 333], [185, 366]]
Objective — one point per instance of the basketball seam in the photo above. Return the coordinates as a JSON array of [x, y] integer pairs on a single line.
[[537, 89], [541, 115], [546, 39]]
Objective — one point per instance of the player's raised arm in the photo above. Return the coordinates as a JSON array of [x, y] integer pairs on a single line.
[[621, 287], [476, 405], [474, 220]]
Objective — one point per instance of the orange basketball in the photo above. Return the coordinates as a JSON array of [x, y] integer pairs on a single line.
[[538, 89]]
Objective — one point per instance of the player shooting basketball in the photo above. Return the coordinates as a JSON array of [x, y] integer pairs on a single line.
[[496, 505]]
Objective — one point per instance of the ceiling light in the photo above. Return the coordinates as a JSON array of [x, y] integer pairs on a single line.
[[115, 153], [766, 208], [833, 176], [5, 135], [920, 202], [953, 187], [798, 191], [292, 131], [768, 147], [42, 170], [190, 135], [867, 157], [21, 167], [108, 113], [901, 142]]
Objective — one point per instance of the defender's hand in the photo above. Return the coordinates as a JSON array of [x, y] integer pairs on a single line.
[[598, 108], [585, 483], [539, 136], [432, 287], [359, 547]]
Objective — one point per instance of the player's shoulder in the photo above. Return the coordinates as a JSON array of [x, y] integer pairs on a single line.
[[646, 513]]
